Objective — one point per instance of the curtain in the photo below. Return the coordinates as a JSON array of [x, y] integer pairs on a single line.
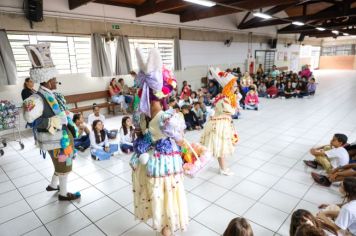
[[123, 56], [177, 56], [8, 74], [99, 59]]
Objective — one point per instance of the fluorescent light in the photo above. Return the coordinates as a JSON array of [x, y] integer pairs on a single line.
[[335, 32], [202, 2], [320, 28], [345, 34], [297, 23], [262, 15]]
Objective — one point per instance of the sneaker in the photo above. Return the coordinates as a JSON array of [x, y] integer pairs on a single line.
[[226, 172], [321, 179], [312, 164]]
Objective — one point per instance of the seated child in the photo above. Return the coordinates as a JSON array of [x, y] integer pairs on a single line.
[[301, 90], [309, 230], [82, 142], [289, 90], [272, 91], [238, 227], [191, 120], [343, 222], [95, 115], [127, 135], [186, 101], [251, 100], [301, 217], [99, 143], [330, 156], [199, 113], [311, 87], [262, 90], [238, 101]]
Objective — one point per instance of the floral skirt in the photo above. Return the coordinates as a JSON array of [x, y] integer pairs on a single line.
[[161, 199], [217, 136]]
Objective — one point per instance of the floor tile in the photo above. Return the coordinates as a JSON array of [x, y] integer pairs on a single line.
[[319, 196], [27, 179], [111, 185], [20, 225], [90, 230], [266, 216], [100, 208], [292, 188], [36, 187], [196, 228], [54, 210], [219, 222], [280, 201], [6, 186], [250, 189], [196, 204], [234, 202], [141, 229], [68, 224], [260, 231], [210, 192], [9, 197], [88, 195], [262, 178], [40, 231], [226, 182], [13, 210], [117, 223], [98, 176], [124, 196]]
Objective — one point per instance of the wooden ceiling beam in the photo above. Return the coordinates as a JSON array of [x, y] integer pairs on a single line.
[[317, 16], [114, 3], [77, 3], [198, 13], [150, 7], [323, 34], [271, 11]]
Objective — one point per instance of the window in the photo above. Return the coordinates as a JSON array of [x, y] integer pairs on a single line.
[[70, 54], [166, 48], [337, 50]]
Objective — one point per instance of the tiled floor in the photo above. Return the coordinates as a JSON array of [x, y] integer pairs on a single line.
[[270, 181]]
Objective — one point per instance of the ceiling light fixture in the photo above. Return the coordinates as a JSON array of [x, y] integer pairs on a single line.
[[202, 2], [262, 15], [297, 23], [345, 34], [335, 32], [320, 28]]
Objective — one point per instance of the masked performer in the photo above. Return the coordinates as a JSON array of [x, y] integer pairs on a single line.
[[157, 177], [219, 134], [47, 112]]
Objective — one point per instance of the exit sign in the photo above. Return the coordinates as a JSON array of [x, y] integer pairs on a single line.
[[115, 26]]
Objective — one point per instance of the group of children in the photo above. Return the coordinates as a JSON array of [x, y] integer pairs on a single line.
[[97, 137]]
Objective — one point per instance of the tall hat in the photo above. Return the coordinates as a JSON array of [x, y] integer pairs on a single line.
[[222, 77], [155, 81], [43, 68]]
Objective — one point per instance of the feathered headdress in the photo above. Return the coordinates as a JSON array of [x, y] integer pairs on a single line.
[[43, 68], [155, 81], [222, 77]]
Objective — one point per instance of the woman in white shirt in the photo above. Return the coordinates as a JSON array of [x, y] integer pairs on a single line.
[[345, 219], [127, 135], [99, 143]]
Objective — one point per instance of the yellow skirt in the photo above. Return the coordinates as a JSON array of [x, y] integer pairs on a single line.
[[217, 136], [161, 199]]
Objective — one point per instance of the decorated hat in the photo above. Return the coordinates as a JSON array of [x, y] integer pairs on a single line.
[[222, 77], [43, 68], [154, 79]]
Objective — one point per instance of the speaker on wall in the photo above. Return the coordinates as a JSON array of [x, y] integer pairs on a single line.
[[272, 43], [34, 10]]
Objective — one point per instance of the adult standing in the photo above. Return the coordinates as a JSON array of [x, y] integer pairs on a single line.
[[157, 176], [219, 134], [53, 128]]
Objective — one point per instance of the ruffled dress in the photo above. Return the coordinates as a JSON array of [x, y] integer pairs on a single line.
[[219, 131], [158, 185]]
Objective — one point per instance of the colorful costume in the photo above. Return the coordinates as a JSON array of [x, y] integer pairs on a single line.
[[157, 176], [219, 134], [53, 129]]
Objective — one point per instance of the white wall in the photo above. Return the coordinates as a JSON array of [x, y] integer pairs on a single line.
[[60, 8]]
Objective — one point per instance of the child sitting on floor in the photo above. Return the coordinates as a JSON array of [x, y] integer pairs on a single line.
[[311, 87], [127, 135], [330, 156], [99, 143], [199, 113], [251, 100], [238, 227], [191, 120]]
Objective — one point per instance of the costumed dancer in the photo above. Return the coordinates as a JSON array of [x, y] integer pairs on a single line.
[[157, 176], [54, 130], [219, 134]]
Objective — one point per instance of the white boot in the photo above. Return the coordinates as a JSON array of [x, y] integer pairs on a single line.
[[226, 172], [54, 182], [63, 185]]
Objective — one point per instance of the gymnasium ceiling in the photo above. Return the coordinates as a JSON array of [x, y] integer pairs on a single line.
[[339, 15]]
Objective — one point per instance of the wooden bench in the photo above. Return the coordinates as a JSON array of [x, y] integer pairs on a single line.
[[77, 98], [282, 68]]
